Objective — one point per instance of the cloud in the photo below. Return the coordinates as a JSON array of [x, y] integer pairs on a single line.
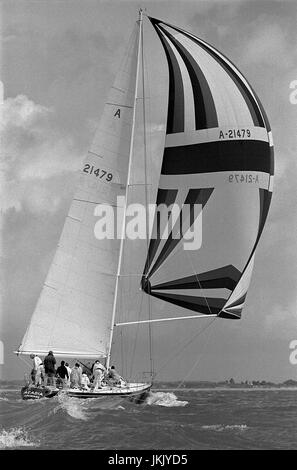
[[35, 155], [282, 320], [21, 112], [269, 46]]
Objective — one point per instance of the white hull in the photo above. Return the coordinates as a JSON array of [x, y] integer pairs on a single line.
[[134, 390], [131, 389]]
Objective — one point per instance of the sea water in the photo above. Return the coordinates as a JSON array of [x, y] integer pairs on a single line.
[[181, 419]]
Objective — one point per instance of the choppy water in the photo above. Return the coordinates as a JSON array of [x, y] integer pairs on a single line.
[[185, 419]]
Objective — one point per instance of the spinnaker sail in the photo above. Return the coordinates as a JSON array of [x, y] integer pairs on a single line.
[[218, 156]]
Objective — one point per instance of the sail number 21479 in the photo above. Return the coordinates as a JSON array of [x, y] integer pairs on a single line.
[[98, 172]]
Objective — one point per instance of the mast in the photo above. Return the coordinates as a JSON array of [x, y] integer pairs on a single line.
[[126, 197], [146, 203]]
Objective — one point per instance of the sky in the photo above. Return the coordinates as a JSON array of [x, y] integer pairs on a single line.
[[58, 59]]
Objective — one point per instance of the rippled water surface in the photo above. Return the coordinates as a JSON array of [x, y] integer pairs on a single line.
[[183, 419]]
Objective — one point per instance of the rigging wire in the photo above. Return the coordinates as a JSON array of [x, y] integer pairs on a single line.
[[125, 309], [136, 336], [197, 361], [24, 360], [184, 347], [196, 335], [122, 350], [26, 374], [197, 277]]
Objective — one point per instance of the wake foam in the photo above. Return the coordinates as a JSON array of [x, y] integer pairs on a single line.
[[164, 399], [73, 407], [225, 427], [15, 437], [82, 409]]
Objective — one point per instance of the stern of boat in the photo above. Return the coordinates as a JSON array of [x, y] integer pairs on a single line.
[[31, 392]]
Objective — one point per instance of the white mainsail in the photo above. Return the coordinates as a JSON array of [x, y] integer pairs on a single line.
[[74, 311]]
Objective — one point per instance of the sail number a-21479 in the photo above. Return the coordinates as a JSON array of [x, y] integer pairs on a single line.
[[235, 134]]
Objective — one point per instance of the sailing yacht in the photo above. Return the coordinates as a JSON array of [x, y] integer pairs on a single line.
[[217, 160]]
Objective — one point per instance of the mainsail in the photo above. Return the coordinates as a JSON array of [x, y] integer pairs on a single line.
[[219, 155], [74, 310]]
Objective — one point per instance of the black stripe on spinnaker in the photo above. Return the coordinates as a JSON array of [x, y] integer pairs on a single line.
[[167, 197], [237, 302], [231, 316], [237, 155], [253, 102], [265, 200], [221, 278], [205, 111], [205, 305], [194, 196], [176, 105], [272, 159]]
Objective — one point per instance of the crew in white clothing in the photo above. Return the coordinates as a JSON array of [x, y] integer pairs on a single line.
[[98, 373], [36, 363], [69, 373], [85, 382]]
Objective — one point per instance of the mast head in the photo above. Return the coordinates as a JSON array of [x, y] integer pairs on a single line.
[[140, 12]]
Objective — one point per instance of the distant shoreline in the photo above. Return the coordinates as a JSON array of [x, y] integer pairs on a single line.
[[225, 389], [201, 389], [14, 385]]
